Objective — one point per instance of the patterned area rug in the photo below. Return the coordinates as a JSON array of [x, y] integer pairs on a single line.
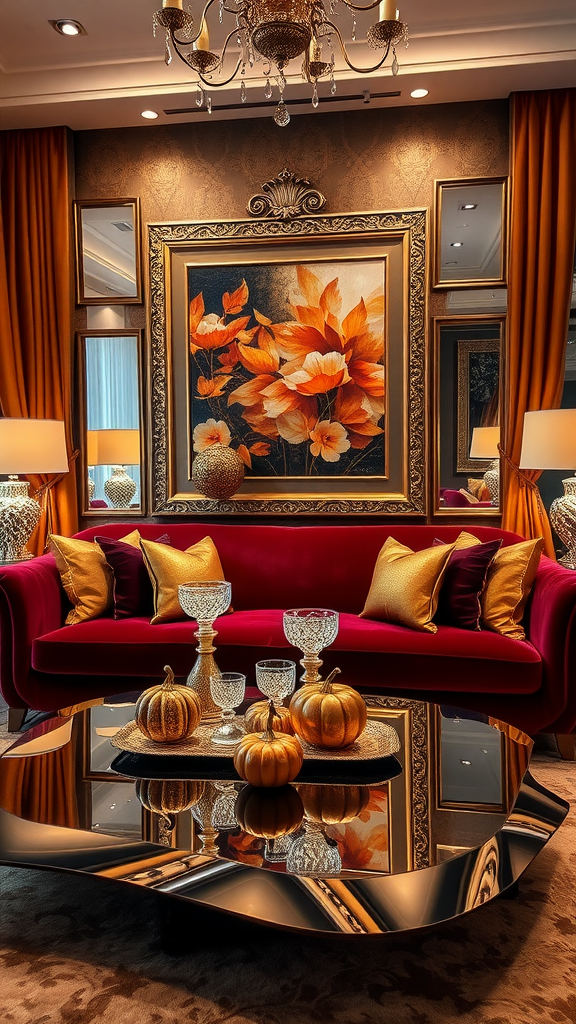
[[75, 951]]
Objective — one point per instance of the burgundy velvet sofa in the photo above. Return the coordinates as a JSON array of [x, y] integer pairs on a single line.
[[532, 684]]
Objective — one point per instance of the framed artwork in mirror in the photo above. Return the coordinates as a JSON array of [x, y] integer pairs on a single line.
[[470, 233], [299, 344], [108, 251], [466, 412], [112, 428]]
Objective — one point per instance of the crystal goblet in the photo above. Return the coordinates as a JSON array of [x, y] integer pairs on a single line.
[[313, 854], [227, 692], [311, 630], [205, 601], [276, 678]]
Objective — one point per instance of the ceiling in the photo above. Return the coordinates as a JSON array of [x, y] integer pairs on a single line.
[[458, 50]]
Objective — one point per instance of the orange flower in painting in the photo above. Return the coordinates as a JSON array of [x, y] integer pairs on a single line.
[[209, 433], [211, 388], [208, 330], [329, 440], [319, 374], [264, 358], [250, 393], [260, 448], [279, 398]]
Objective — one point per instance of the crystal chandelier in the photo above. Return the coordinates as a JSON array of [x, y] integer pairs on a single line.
[[273, 33]]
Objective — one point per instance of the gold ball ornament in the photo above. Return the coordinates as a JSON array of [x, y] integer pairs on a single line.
[[218, 471], [169, 712]]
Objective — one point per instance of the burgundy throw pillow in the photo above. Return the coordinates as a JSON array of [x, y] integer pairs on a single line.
[[132, 589], [463, 583]]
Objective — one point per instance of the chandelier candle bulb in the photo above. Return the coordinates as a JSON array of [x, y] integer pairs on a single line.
[[203, 41], [387, 11], [173, 3]]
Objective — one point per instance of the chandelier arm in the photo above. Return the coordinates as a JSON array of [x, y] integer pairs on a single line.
[[217, 85], [359, 71], [361, 7]]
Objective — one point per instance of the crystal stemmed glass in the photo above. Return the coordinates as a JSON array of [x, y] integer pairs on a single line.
[[311, 630], [276, 678], [204, 602], [313, 854], [227, 692]]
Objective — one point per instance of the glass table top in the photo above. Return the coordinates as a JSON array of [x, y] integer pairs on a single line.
[[453, 820]]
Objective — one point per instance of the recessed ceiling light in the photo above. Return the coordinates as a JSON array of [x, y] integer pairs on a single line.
[[68, 27], [468, 206], [150, 114], [419, 94], [456, 245]]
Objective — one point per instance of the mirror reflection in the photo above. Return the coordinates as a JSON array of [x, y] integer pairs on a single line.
[[113, 420], [108, 252], [467, 413], [470, 232]]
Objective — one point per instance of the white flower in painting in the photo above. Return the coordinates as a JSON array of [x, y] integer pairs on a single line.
[[329, 440], [209, 433], [210, 323]]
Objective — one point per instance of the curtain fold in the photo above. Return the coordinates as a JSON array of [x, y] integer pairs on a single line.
[[36, 298], [542, 242]]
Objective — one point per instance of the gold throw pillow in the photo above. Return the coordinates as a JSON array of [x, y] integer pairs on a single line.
[[133, 539], [406, 584], [168, 568], [86, 577], [509, 582]]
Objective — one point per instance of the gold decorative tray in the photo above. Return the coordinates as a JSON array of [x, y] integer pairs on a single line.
[[378, 740]]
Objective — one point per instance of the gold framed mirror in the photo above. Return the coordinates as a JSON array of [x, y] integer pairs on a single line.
[[470, 233], [112, 427], [108, 251], [468, 369]]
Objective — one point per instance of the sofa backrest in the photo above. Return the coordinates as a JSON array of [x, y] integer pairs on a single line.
[[298, 566]]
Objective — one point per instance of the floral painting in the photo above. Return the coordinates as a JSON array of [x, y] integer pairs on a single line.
[[287, 365]]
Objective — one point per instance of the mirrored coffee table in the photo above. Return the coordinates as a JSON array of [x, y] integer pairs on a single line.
[[453, 823]]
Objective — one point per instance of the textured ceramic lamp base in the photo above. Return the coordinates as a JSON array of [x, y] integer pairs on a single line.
[[563, 520], [19, 516]]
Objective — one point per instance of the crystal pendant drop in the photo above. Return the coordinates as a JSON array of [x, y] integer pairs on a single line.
[[395, 64], [243, 92], [281, 116], [354, 28], [209, 104], [168, 51], [315, 96], [333, 86], [200, 97], [221, 10], [268, 90]]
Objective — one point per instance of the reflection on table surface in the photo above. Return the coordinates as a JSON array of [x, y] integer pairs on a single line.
[[457, 825]]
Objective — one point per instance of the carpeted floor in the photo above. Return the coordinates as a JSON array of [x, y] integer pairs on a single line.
[[76, 950]]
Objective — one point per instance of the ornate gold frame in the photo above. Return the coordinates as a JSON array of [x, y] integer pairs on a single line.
[[450, 183], [398, 236], [465, 320]]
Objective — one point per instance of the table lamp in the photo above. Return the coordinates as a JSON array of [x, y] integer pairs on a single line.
[[118, 449], [26, 446], [484, 445], [549, 442]]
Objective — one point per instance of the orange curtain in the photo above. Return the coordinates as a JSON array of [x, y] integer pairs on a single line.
[[36, 297], [542, 241], [41, 788]]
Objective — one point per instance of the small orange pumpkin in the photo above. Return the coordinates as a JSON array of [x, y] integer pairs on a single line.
[[268, 814], [169, 712], [256, 718], [333, 805], [168, 796], [270, 759], [329, 715]]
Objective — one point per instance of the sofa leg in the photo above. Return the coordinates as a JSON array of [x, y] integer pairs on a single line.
[[16, 718], [566, 745]]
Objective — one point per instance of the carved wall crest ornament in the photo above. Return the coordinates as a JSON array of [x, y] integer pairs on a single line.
[[285, 197]]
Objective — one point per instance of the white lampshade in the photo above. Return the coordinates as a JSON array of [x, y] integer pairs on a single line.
[[114, 448], [32, 446], [485, 441], [549, 439]]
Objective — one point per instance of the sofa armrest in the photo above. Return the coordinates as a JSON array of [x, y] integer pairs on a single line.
[[32, 603], [552, 631]]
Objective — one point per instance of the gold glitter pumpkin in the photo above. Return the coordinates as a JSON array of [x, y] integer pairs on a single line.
[[272, 759], [218, 471], [168, 796], [168, 713], [268, 814], [328, 715], [256, 718]]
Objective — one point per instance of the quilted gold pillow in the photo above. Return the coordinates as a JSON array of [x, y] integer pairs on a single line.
[[168, 568], [86, 577], [406, 584]]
